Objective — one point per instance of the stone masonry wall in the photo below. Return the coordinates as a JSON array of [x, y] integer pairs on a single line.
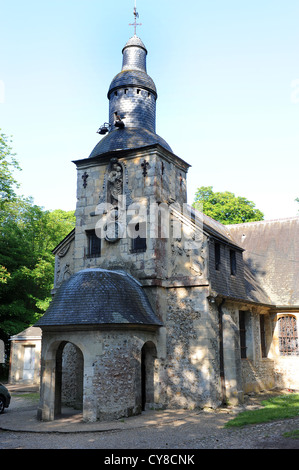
[[143, 190], [111, 369], [192, 365], [115, 377]]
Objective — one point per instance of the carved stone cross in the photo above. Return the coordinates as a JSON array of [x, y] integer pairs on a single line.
[[144, 166], [84, 177]]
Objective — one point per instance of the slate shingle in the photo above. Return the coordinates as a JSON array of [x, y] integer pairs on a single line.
[[97, 296], [272, 257], [128, 138]]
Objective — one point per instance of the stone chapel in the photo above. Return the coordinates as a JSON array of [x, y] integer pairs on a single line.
[[155, 304]]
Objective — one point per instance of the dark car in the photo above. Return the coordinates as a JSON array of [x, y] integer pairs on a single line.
[[4, 398]]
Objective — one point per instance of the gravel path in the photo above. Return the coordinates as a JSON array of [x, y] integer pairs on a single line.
[[176, 430]]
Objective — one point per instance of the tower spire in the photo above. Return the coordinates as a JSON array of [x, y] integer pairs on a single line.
[[135, 24]]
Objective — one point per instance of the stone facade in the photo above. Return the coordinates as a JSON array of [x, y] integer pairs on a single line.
[[170, 319]]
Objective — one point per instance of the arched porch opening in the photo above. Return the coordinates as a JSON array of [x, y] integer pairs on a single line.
[[68, 379], [148, 356]]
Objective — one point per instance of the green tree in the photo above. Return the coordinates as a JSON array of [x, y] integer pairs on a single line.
[[8, 164], [225, 207], [4, 275], [28, 236]]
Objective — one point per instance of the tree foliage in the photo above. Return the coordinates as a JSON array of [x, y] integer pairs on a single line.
[[225, 207], [28, 234], [8, 164]]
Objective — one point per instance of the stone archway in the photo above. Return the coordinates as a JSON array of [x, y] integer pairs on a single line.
[[148, 356], [68, 377]]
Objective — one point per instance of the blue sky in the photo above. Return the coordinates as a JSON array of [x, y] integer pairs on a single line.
[[227, 75]]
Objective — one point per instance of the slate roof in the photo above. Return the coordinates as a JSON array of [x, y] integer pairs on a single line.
[[135, 41], [127, 138], [98, 297], [214, 228], [247, 286], [131, 78], [271, 259], [68, 238]]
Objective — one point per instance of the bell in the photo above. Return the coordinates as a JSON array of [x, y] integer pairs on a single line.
[[119, 124], [103, 130]]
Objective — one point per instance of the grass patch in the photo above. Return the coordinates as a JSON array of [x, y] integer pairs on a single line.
[[280, 407], [28, 396], [292, 434]]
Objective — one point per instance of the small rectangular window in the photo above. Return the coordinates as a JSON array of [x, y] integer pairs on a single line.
[[217, 256], [233, 262], [93, 244], [242, 329], [139, 242]]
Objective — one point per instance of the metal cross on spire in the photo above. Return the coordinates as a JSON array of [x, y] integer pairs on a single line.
[[135, 24]]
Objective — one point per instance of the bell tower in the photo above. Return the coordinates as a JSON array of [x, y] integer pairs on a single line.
[[132, 164], [131, 286], [132, 94]]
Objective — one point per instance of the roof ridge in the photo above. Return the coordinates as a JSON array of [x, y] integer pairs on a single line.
[[283, 219]]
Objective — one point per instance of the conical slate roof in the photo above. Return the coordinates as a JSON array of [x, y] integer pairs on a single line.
[[133, 72], [128, 138], [98, 297], [132, 99], [135, 41], [133, 78]]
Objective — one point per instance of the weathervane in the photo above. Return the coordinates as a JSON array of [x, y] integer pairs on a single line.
[[135, 24]]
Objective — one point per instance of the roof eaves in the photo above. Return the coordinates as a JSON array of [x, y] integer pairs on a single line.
[[70, 236]]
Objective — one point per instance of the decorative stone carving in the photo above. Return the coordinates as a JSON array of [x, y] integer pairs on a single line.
[[84, 177], [64, 250], [114, 231], [115, 182], [144, 166]]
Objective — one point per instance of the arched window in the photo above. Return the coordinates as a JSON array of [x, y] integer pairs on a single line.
[[288, 336]]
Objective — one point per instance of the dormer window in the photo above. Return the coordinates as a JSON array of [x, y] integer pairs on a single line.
[[233, 262], [217, 256]]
